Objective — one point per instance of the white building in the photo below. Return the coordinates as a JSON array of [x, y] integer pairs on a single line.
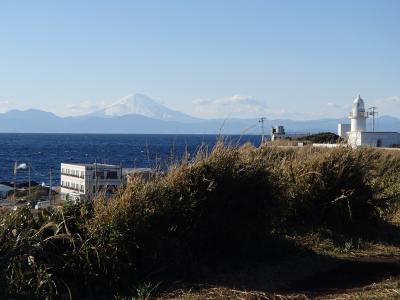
[[357, 134], [343, 130], [277, 133], [86, 180]]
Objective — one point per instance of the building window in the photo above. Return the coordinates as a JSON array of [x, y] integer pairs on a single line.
[[112, 175], [100, 175]]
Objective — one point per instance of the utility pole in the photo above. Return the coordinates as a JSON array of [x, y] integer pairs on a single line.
[[261, 120], [121, 175], [95, 178], [372, 112], [88, 187], [15, 179], [50, 187], [29, 178]]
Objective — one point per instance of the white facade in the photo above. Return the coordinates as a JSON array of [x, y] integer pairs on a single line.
[[374, 139], [80, 181], [277, 132], [343, 130], [358, 115], [358, 134]]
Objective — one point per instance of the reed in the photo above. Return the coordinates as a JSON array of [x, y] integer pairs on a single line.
[[217, 209]]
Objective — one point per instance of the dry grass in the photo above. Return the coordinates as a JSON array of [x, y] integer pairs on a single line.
[[215, 212], [388, 289], [221, 293]]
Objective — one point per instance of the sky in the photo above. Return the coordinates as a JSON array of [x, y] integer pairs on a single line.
[[210, 58]]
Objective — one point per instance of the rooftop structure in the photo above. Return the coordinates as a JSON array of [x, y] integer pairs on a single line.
[[5, 190], [277, 133]]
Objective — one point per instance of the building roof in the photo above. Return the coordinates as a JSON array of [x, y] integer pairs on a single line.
[[5, 188], [91, 165], [358, 100], [128, 171]]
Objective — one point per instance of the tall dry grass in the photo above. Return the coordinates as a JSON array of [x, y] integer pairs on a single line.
[[217, 209]]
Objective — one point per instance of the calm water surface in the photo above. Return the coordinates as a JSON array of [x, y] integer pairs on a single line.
[[47, 151]]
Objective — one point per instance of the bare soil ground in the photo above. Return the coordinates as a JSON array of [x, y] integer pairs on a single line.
[[369, 273]]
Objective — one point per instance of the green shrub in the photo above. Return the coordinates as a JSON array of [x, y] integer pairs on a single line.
[[322, 137]]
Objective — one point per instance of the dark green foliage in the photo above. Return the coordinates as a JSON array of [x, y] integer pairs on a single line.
[[322, 137]]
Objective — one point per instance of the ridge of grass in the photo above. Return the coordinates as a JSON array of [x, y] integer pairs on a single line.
[[223, 210]]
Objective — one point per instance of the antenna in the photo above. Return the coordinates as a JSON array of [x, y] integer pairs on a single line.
[[261, 120], [372, 111]]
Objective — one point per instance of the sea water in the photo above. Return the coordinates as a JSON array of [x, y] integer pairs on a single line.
[[45, 152]]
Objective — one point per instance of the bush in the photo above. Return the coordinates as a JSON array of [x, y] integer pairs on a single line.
[[322, 137], [217, 210], [328, 188], [212, 210]]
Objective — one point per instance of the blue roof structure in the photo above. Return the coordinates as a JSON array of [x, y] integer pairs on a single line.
[[5, 189]]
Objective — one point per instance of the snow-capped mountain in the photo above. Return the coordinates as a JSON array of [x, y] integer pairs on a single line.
[[142, 105], [37, 121]]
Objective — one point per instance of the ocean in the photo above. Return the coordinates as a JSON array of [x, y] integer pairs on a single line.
[[45, 152]]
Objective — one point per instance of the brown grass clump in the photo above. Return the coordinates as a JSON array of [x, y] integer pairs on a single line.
[[216, 211], [211, 210]]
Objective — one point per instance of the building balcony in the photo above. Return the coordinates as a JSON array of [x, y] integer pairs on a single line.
[[72, 189], [359, 114], [72, 175]]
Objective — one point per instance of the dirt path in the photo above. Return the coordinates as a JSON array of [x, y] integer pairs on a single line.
[[350, 274]]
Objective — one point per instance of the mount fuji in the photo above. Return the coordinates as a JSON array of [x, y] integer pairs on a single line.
[[140, 104], [139, 114]]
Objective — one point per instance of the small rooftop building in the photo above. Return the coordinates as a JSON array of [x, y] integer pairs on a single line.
[[277, 133], [131, 173], [5, 191], [343, 130]]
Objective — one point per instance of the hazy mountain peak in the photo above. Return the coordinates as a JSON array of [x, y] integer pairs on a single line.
[[143, 105], [29, 113]]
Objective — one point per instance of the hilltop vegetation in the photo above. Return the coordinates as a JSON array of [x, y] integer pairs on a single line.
[[223, 210], [322, 137]]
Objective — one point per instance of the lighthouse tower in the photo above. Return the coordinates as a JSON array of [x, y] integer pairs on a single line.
[[358, 116]]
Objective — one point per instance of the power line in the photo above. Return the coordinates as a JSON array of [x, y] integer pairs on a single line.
[[372, 111], [262, 120]]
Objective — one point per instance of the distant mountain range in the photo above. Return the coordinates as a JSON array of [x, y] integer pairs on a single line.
[[140, 114], [138, 104]]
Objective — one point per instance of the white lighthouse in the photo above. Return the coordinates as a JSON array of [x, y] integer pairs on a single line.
[[358, 116], [357, 135]]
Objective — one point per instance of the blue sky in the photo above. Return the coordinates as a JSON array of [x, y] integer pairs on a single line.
[[297, 59]]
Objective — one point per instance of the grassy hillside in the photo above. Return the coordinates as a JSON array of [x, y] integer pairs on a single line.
[[221, 211], [322, 138]]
